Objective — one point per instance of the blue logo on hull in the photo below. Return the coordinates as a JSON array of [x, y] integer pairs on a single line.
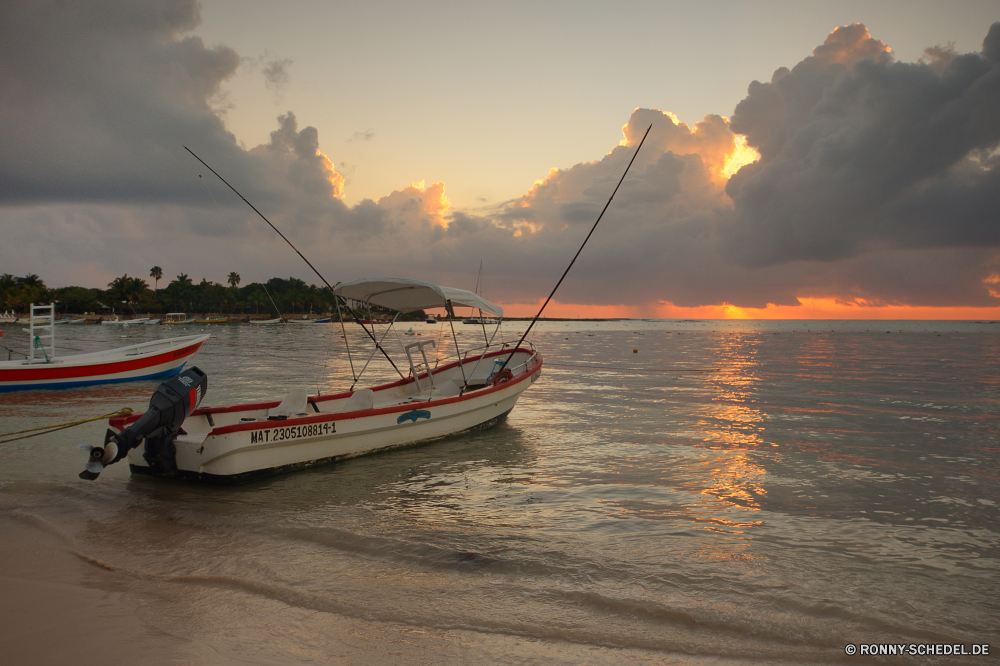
[[414, 415]]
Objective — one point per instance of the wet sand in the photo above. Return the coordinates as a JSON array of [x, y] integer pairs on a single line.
[[52, 613], [57, 606]]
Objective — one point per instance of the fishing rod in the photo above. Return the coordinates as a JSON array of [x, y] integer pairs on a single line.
[[336, 298], [528, 330]]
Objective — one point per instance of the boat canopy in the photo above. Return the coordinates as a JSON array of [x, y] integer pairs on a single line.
[[404, 295]]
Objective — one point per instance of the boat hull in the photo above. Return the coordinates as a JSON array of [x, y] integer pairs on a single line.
[[240, 452], [124, 322], [150, 360], [281, 467]]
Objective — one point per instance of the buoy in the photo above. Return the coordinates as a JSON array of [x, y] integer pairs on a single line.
[[635, 351]]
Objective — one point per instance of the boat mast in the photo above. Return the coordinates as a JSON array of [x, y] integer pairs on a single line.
[[528, 330], [276, 310]]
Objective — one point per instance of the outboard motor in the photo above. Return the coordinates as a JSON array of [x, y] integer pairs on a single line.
[[173, 402]]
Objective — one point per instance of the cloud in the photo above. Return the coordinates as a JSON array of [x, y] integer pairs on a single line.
[[366, 135], [849, 176], [418, 206], [98, 99], [859, 150], [95, 98], [295, 155], [276, 76], [275, 70]]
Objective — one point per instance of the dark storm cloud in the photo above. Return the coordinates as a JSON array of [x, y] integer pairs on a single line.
[[94, 97], [857, 148], [98, 98]]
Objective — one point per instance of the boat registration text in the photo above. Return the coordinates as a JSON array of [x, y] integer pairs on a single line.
[[292, 432]]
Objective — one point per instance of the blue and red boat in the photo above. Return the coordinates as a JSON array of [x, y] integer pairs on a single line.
[[44, 370]]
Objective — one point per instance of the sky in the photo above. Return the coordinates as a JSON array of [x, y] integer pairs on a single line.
[[806, 160]]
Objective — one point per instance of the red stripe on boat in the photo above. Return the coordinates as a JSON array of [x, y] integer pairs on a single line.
[[43, 372]]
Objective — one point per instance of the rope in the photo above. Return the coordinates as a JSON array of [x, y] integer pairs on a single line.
[[39, 345], [124, 411]]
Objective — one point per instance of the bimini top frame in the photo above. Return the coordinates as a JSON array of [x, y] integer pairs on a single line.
[[403, 295]]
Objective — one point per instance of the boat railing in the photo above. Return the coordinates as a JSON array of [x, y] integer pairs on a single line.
[[478, 353]]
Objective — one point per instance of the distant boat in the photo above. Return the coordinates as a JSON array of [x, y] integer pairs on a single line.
[[431, 319], [488, 321], [267, 322], [177, 319], [148, 322], [323, 321], [77, 321], [212, 320], [124, 322]]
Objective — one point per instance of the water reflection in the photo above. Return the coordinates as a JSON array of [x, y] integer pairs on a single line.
[[802, 489]]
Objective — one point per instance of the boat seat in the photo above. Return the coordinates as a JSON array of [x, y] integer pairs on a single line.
[[294, 403], [449, 388], [362, 399]]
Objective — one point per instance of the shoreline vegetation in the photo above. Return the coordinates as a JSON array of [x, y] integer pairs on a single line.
[[128, 297], [131, 297]]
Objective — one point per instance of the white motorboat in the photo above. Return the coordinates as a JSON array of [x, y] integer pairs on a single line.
[[177, 319], [266, 322], [476, 388], [42, 369], [124, 322]]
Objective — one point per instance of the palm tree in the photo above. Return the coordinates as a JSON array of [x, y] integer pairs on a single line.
[[156, 273], [126, 288], [30, 289], [234, 279], [8, 287]]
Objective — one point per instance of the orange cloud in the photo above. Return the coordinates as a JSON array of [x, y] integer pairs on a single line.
[[711, 139], [336, 180], [849, 44], [742, 155], [418, 203]]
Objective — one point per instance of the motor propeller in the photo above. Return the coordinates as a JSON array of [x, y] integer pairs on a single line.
[[173, 401], [99, 457]]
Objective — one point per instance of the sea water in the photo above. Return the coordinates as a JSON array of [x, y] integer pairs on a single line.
[[696, 492]]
